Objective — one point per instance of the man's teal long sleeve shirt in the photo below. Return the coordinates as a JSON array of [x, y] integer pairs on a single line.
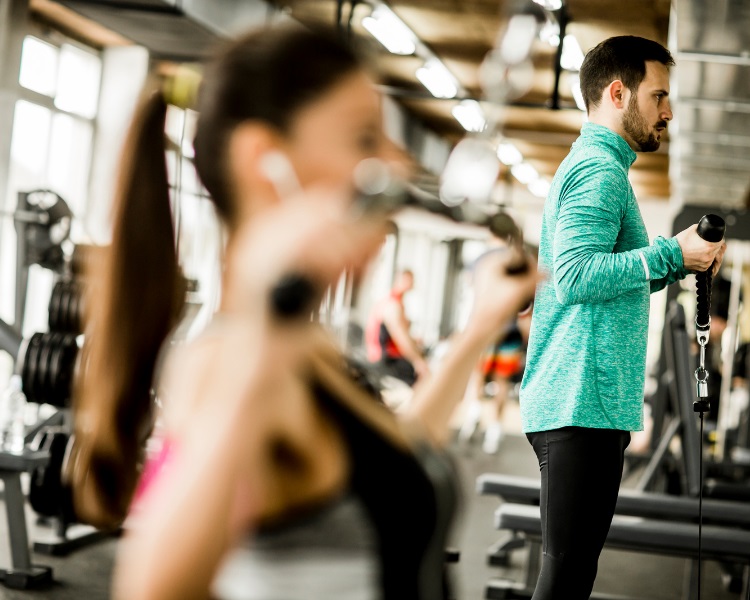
[[586, 358]]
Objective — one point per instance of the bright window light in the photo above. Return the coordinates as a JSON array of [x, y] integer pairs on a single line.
[[437, 79], [78, 81], [69, 159], [38, 66], [30, 138], [572, 55], [508, 154], [390, 31], [524, 172], [550, 4], [470, 114], [575, 88], [539, 187]]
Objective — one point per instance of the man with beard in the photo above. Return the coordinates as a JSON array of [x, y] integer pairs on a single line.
[[582, 391]]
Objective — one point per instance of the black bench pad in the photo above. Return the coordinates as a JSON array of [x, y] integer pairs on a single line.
[[644, 535]]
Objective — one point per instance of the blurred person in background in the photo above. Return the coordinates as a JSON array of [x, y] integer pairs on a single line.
[[388, 339], [277, 472], [500, 367]]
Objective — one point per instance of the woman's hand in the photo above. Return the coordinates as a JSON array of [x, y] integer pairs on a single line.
[[312, 235], [498, 295]]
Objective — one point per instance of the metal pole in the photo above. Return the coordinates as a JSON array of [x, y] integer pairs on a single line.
[[729, 347]]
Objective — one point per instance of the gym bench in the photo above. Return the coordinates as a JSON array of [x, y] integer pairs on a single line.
[[635, 534], [525, 490]]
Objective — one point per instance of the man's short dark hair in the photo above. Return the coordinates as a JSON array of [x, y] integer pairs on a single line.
[[623, 57]]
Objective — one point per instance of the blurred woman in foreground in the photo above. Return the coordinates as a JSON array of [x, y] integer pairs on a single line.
[[281, 477]]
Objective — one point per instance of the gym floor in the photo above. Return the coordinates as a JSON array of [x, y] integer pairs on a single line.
[[85, 573]]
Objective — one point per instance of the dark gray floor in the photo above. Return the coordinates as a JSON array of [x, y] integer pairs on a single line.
[[84, 575]]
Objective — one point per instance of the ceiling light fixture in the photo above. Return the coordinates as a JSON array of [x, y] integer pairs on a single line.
[[550, 32], [539, 187], [572, 55], [550, 4], [524, 172], [390, 31], [438, 79], [508, 154], [471, 116]]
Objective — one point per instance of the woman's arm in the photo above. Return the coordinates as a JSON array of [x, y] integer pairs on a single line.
[[497, 299]]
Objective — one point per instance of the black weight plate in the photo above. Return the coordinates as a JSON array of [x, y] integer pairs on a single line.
[[22, 363], [65, 307], [64, 383], [54, 397], [31, 367], [60, 313], [51, 367], [42, 377], [54, 307], [82, 307], [75, 308]]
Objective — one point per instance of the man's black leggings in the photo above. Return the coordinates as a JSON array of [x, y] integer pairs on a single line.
[[581, 472]]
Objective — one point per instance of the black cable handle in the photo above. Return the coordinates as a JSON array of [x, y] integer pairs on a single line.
[[710, 228]]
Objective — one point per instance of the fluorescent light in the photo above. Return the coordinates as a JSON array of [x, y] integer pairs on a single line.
[[390, 31], [437, 79], [524, 172], [550, 4], [575, 88], [550, 32], [518, 38], [470, 114], [509, 154], [572, 55], [539, 187]]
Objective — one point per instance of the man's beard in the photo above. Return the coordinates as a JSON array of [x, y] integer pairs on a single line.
[[639, 131]]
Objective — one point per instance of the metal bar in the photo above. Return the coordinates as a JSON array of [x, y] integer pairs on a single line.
[[13, 26], [657, 458], [728, 349], [14, 509], [713, 137], [162, 8], [727, 163], [22, 269], [711, 57], [10, 339], [742, 106], [563, 22]]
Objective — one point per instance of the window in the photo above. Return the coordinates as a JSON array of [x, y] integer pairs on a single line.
[[198, 229], [51, 147]]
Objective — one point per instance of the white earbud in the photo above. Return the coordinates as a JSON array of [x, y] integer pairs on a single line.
[[278, 169]]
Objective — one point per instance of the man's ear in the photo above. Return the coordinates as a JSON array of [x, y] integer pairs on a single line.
[[617, 94]]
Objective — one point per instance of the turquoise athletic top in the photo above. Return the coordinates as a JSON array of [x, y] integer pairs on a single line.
[[586, 358]]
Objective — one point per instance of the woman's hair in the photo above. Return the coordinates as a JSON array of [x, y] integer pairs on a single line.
[[262, 77], [266, 76]]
